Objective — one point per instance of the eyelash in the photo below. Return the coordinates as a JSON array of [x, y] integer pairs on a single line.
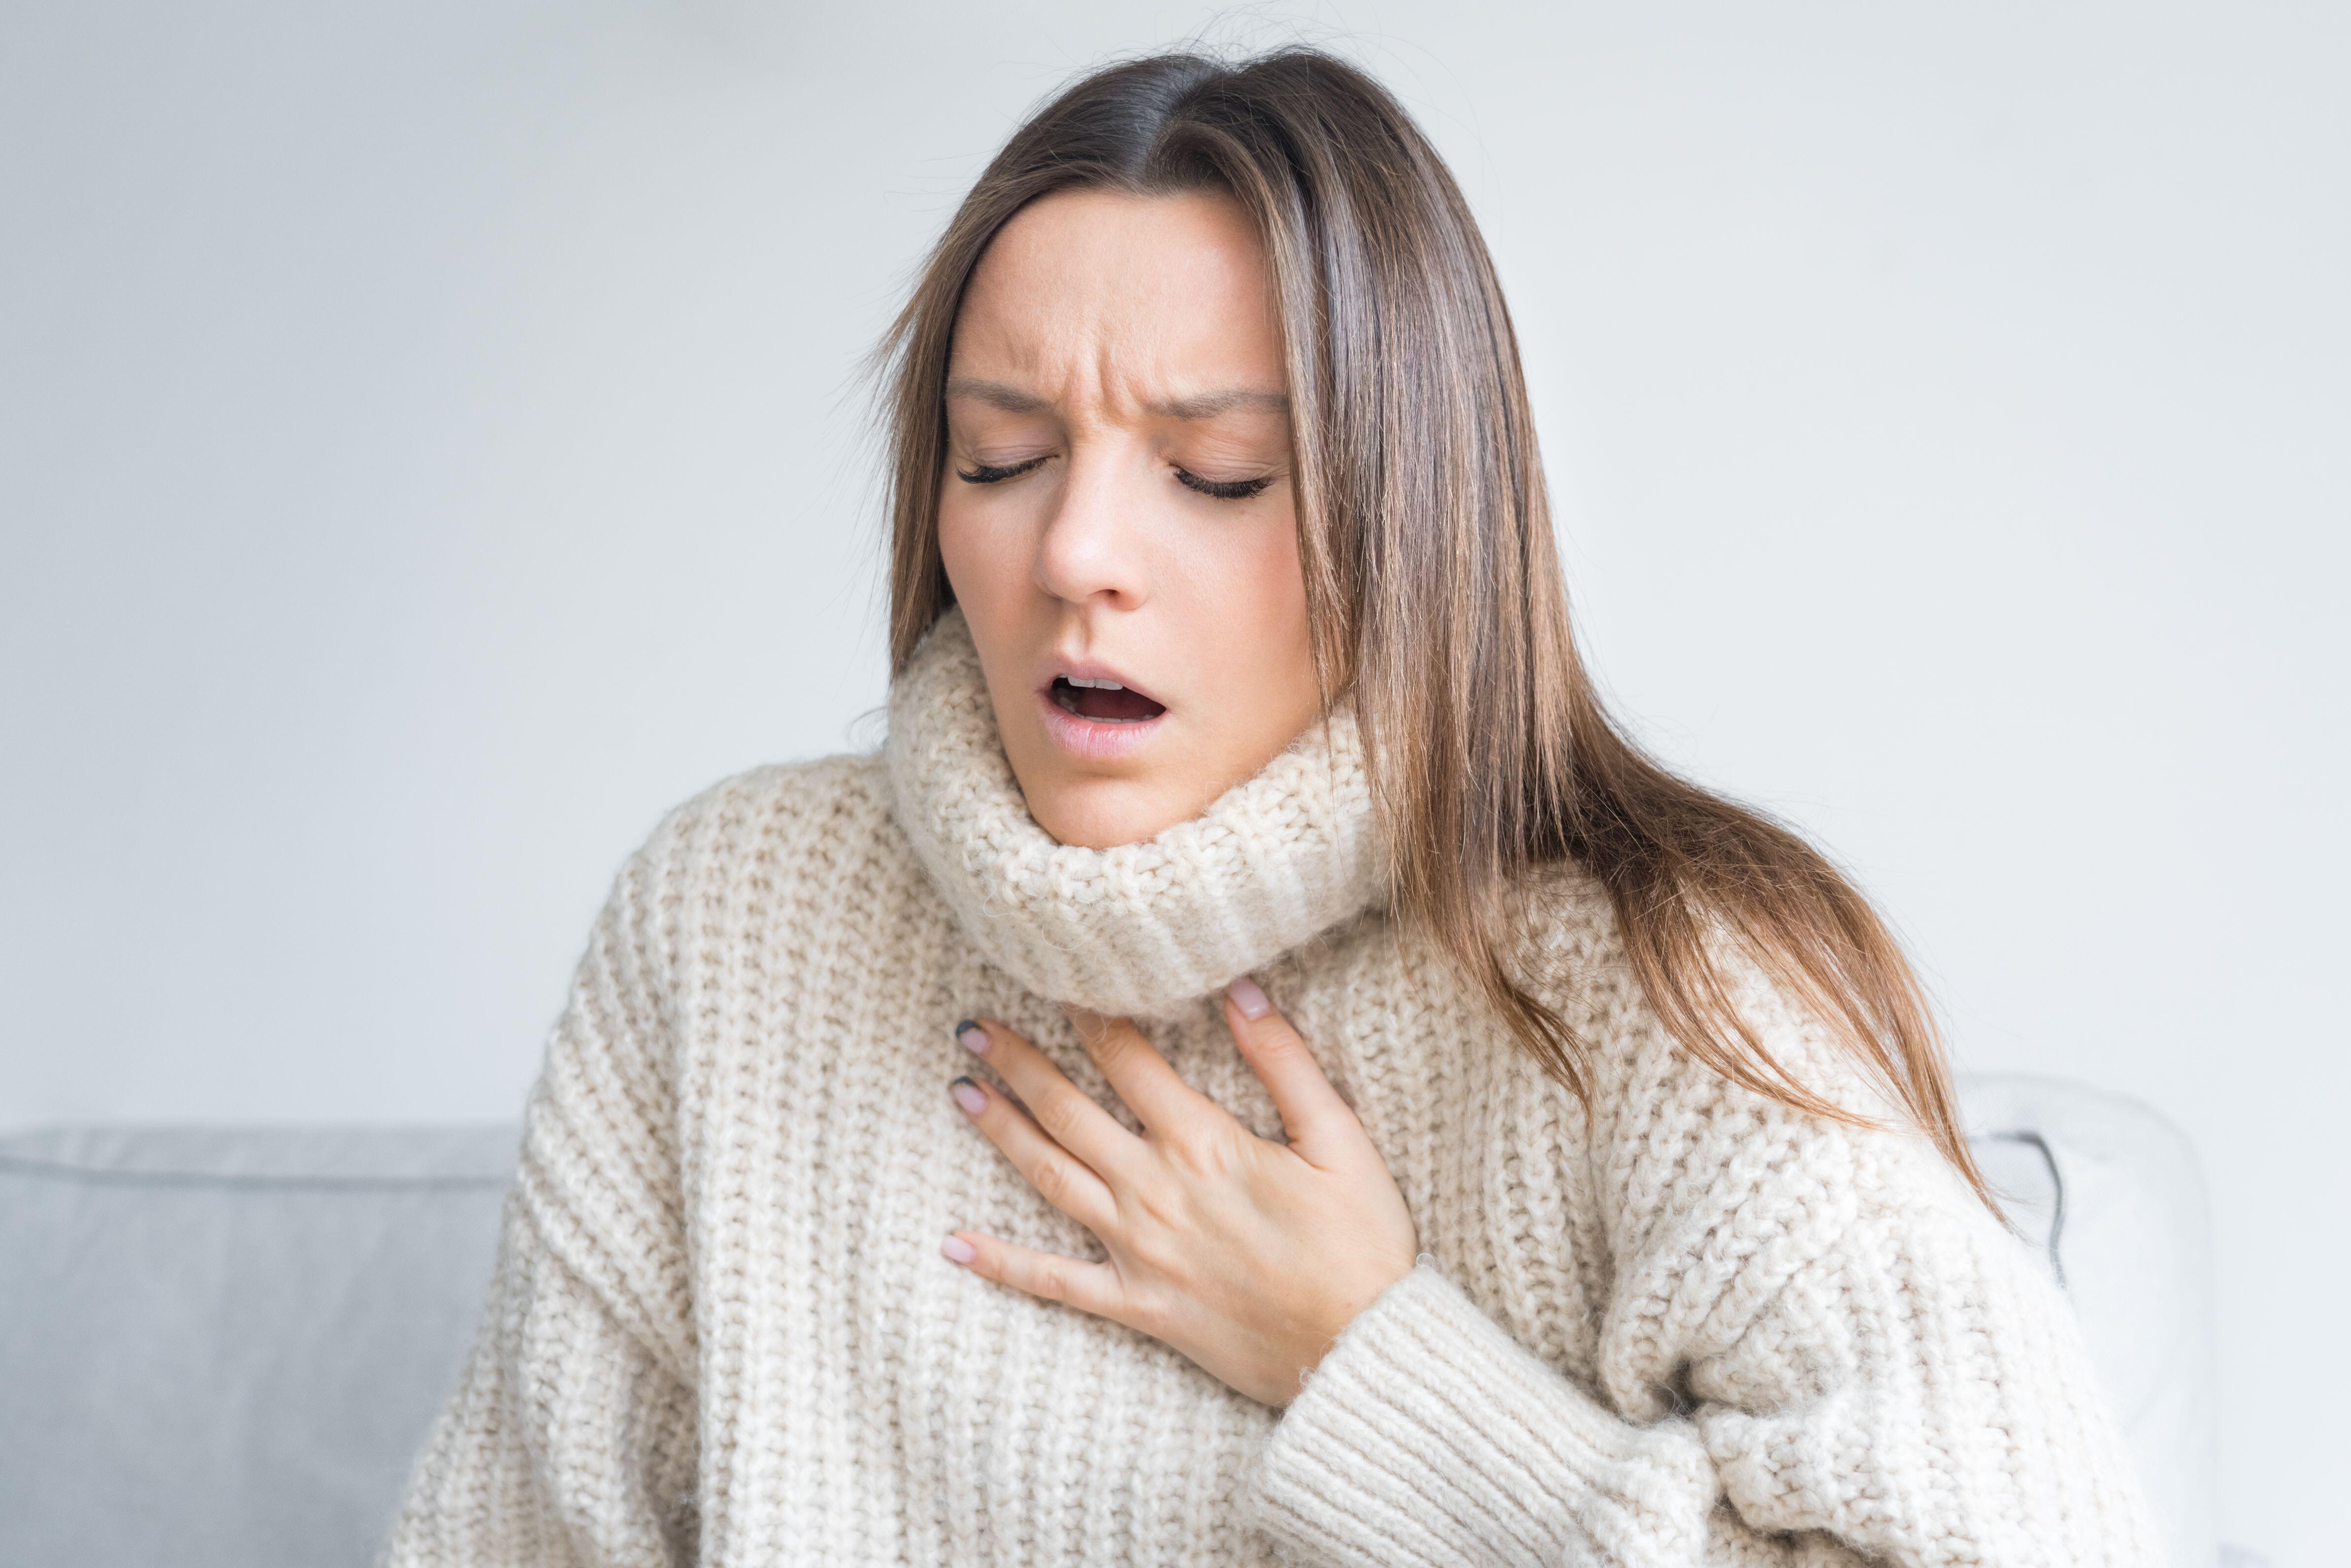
[[981, 473], [1221, 489]]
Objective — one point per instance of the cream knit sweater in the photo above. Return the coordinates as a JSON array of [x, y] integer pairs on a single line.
[[1687, 1326]]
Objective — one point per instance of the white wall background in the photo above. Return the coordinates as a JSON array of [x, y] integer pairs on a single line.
[[429, 449]]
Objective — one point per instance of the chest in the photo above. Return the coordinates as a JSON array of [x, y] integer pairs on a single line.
[[865, 1399]]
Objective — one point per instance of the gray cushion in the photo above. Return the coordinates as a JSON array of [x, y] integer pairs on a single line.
[[2111, 1195], [224, 1347]]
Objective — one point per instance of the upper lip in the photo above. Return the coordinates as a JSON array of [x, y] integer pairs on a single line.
[[1089, 669]]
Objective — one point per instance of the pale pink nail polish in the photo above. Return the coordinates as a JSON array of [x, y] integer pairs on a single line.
[[958, 1250], [973, 1037], [1248, 997], [967, 1095]]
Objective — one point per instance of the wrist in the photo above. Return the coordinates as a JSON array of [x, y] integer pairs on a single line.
[[1338, 1311]]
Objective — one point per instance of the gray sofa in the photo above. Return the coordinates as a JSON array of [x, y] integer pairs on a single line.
[[224, 1346]]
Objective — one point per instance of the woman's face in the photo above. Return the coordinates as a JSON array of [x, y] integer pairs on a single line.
[[1117, 509]]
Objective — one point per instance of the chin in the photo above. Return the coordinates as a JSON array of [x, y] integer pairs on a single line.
[[1100, 813]]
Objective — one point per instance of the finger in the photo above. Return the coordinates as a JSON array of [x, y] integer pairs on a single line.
[[1319, 1123], [1088, 1287], [1060, 1110], [1057, 1175], [1154, 1090]]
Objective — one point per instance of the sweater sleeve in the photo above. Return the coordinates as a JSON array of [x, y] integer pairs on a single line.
[[570, 1438], [1819, 1349]]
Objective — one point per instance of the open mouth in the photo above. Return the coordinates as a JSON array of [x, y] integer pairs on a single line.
[[1104, 702]]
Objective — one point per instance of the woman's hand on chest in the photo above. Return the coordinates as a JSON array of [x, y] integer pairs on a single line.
[[1248, 1256]]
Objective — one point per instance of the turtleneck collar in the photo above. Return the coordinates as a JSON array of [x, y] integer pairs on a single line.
[[1139, 929]]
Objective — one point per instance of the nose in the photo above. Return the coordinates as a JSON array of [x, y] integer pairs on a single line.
[[1089, 552]]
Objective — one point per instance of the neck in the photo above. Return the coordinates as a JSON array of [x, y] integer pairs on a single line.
[[1141, 929]]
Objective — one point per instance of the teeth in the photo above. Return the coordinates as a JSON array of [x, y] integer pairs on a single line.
[[1098, 685]]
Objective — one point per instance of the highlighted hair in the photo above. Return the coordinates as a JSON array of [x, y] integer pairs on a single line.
[[1432, 580]]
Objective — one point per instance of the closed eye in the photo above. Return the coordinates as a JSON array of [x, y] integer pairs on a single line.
[[983, 473], [1223, 489]]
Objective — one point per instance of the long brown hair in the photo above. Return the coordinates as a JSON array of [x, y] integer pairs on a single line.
[[1433, 585]]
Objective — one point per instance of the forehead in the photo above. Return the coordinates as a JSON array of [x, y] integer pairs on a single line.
[[1122, 295]]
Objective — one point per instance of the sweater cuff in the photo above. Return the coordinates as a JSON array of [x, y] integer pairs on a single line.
[[1429, 1435]]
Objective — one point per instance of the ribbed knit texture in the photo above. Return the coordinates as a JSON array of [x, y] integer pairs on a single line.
[[1688, 1326], [1143, 928]]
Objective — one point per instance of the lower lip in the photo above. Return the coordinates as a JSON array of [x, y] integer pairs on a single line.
[[1092, 738]]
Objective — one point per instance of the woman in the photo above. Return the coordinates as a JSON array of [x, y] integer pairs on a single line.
[[1374, 1114]]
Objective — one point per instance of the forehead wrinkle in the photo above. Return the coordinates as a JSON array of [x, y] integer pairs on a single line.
[[1181, 360], [1107, 367]]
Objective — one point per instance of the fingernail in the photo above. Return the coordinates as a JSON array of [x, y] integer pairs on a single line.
[[1246, 997], [958, 1251], [973, 1037], [967, 1095]]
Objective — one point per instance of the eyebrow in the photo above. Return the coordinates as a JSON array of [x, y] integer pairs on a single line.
[[1204, 406], [995, 395], [1208, 405]]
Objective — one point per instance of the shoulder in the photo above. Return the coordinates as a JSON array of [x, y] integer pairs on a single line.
[[1564, 938], [777, 816], [779, 842], [1561, 939], [1715, 1196], [1681, 1141]]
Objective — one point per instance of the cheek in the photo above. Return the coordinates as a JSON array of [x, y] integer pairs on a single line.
[[1247, 611], [1270, 582], [990, 574], [974, 569], [1281, 582], [987, 548]]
